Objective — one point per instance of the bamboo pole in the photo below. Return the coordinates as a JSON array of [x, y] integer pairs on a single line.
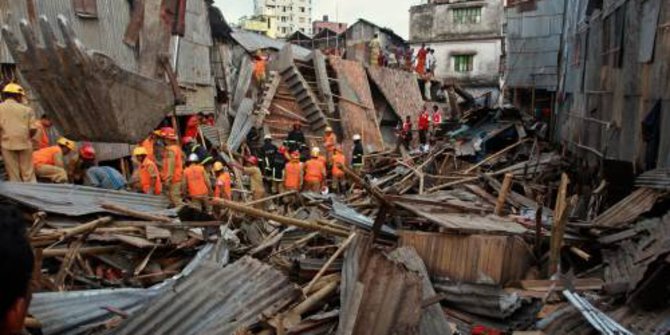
[[330, 261], [504, 192]]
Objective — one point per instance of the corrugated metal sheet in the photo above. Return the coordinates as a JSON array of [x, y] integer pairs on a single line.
[[252, 42], [657, 179], [215, 301], [347, 214], [354, 119], [485, 300], [490, 259], [379, 295], [193, 65], [74, 200], [628, 209], [400, 88], [76, 312], [198, 99], [244, 120], [213, 134], [111, 151], [533, 43], [648, 27]]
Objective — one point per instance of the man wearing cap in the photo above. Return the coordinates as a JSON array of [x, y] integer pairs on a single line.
[[173, 167], [357, 155], [278, 165], [105, 177], [196, 183], [251, 169], [150, 180], [49, 162], [223, 188], [329, 142], [17, 128]]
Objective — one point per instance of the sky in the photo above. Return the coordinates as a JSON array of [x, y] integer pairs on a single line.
[[392, 14]]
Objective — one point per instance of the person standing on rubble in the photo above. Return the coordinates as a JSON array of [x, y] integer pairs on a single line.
[[296, 138], [337, 161], [329, 142], [149, 144], [196, 183], [293, 178], [424, 127], [315, 172], [278, 166], [256, 186], [404, 131], [16, 263], [173, 167], [49, 162], [17, 128], [421, 60], [357, 155], [436, 122], [223, 188], [260, 64], [105, 177], [150, 181], [41, 139], [268, 153]]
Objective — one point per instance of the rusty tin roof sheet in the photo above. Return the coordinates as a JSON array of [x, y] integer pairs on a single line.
[[214, 300], [656, 179], [400, 88], [628, 209]]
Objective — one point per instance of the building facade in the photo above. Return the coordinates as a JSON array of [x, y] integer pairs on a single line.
[[359, 35], [336, 27], [260, 24], [290, 15], [466, 37]]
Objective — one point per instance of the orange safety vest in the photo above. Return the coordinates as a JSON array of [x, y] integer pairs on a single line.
[[147, 168], [178, 164], [329, 141], [42, 138], [196, 181], [259, 68], [292, 174], [46, 156], [314, 170], [148, 145], [338, 158], [223, 188]]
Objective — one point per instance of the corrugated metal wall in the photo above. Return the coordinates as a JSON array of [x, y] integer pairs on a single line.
[[602, 101]]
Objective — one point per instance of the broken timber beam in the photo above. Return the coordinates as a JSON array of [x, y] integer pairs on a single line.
[[242, 208], [136, 214], [502, 195], [375, 192], [330, 261]]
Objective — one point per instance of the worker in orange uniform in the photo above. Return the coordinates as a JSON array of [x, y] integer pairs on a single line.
[[17, 127], [41, 139], [329, 142], [293, 175], [338, 160], [260, 64], [149, 144], [223, 188], [315, 172], [49, 163], [196, 183], [173, 167], [150, 180]]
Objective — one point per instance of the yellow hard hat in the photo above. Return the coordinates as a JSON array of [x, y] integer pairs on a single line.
[[67, 143], [218, 166], [140, 151], [13, 89]]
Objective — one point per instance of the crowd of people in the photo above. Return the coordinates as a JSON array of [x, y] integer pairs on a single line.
[[430, 126], [421, 61], [179, 167]]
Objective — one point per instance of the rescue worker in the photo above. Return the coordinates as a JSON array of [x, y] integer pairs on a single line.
[[105, 177], [17, 128], [223, 188], [424, 127], [268, 153], [278, 166], [437, 121], [41, 139], [252, 170], [150, 181], [173, 167], [329, 142], [149, 144], [337, 173], [49, 163], [192, 146], [315, 172], [296, 138], [260, 64], [405, 133], [196, 183], [293, 175], [357, 155]]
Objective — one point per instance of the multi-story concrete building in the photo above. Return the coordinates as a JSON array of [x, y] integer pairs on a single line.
[[466, 36], [260, 24], [290, 15]]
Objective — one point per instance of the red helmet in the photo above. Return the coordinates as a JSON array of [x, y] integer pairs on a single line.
[[186, 139], [282, 150], [87, 152], [252, 160]]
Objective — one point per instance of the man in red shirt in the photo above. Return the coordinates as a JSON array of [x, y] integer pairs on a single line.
[[437, 121], [424, 126], [192, 125]]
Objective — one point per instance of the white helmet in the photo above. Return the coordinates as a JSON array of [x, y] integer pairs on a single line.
[[268, 137], [193, 158], [357, 137]]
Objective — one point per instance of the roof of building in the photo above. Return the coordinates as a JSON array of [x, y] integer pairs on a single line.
[[384, 30]]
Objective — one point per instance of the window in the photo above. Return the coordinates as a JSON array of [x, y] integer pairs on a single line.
[[284, 19], [302, 9], [467, 15], [463, 63], [302, 20]]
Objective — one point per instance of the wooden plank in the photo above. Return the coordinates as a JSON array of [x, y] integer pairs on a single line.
[[580, 284], [322, 82], [502, 194]]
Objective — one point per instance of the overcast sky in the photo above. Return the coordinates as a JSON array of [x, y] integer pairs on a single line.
[[393, 14]]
